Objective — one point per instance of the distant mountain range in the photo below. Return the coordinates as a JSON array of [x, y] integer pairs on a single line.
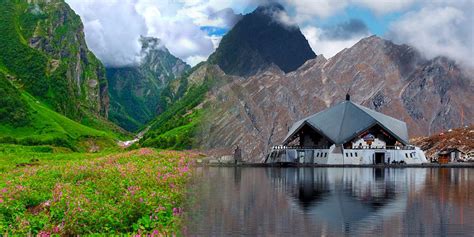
[[135, 91]]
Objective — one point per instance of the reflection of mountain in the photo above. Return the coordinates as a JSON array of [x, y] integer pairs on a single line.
[[445, 202]]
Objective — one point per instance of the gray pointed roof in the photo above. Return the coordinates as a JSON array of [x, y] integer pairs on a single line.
[[346, 120]]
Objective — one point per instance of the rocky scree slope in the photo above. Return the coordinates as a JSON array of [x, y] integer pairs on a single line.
[[460, 138]]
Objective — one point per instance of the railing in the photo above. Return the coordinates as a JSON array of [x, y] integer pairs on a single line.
[[298, 148], [382, 148], [353, 148]]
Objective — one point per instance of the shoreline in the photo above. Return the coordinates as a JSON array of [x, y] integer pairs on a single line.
[[264, 165]]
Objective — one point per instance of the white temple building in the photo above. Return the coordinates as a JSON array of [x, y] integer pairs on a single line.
[[347, 134]]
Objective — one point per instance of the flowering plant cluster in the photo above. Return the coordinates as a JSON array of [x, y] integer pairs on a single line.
[[138, 192]]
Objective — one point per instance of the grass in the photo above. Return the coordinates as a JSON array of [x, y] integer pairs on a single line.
[[47, 191], [48, 127]]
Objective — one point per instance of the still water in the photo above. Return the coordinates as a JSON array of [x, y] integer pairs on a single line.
[[331, 202]]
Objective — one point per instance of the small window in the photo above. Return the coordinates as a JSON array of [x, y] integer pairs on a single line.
[[411, 155], [326, 154], [317, 154], [355, 154], [347, 154], [351, 154], [406, 155]]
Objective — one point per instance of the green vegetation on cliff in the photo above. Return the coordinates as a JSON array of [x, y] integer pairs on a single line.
[[176, 127], [135, 91], [43, 49], [52, 88]]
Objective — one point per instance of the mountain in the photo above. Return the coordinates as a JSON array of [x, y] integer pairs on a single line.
[[260, 40], [135, 91], [186, 108], [255, 113], [44, 52], [53, 89]]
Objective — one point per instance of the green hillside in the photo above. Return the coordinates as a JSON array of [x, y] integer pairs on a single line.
[[46, 127], [177, 126], [43, 50], [25, 120]]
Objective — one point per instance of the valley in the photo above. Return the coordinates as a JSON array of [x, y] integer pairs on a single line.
[[92, 148]]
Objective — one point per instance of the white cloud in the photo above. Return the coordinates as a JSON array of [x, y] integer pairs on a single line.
[[439, 30], [306, 9], [113, 27], [385, 6], [328, 46]]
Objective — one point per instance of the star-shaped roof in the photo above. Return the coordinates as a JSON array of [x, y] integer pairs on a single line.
[[346, 120]]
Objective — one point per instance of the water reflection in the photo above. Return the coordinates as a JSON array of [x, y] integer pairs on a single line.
[[331, 201]]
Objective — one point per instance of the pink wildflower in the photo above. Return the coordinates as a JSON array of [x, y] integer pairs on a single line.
[[155, 233], [176, 211], [44, 234], [1, 200], [184, 169]]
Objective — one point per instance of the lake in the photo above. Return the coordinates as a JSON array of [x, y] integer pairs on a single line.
[[233, 201]]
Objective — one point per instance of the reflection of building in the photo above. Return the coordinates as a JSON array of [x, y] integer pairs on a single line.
[[347, 198], [347, 133]]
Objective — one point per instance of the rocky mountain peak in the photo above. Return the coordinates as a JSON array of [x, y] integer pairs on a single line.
[[151, 43], [259, 40], [269, 8]]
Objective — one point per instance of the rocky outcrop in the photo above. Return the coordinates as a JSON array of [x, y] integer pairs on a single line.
[[255, 113], [136, 90], [260, 39], [460, 138], [59, 33]]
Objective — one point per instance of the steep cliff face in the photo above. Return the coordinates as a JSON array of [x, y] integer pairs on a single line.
[[255, 113], [136, 90], [44, 51], [258, 41]]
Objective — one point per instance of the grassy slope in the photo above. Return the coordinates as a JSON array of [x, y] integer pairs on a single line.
[[49, 127], [46, 191]]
